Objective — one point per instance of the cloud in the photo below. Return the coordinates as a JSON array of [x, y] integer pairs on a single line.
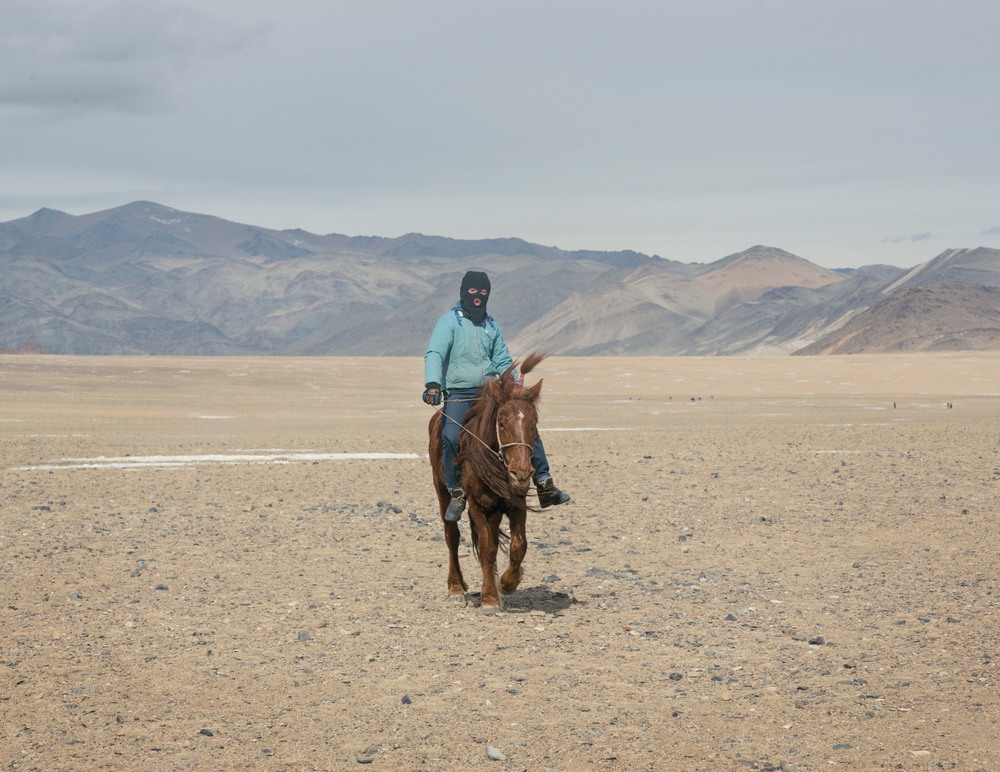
[[995, 231], [924, 236], [67, 57]]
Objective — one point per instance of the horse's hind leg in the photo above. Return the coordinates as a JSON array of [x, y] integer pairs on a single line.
[[456, 583], [518, 548]]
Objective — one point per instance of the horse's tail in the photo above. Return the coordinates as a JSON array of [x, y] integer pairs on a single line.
[[531, 361], [524, 367]]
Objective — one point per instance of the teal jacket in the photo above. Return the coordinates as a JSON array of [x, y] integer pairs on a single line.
[[462, 355]]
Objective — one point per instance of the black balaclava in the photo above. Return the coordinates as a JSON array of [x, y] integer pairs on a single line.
[[478, 281]]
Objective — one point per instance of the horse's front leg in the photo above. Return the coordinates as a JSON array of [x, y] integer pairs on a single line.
[[518, 548], [456, 583], [488, 532]]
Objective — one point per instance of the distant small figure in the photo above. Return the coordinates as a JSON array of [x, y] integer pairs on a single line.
[[893, 405]]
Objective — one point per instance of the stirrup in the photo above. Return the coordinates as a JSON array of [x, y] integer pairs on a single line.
[[456, 506]]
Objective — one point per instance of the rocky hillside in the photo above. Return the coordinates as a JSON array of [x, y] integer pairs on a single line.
[[148, 279], [959, 266], [924, 317], [651, 309]]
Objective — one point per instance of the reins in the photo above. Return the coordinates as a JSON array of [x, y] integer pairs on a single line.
[[467, 431]]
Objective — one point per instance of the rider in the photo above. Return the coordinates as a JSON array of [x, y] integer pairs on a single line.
[[465, 349]]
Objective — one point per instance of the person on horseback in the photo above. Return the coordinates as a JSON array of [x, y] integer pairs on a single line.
[[466, 348]]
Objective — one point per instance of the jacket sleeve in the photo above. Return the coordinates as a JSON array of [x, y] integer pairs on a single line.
[[437, 351], [501, 355]]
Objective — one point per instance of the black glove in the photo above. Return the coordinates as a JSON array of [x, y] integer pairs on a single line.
[[433, 394]]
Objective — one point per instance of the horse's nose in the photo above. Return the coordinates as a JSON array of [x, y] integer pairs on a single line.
[[520, 479]]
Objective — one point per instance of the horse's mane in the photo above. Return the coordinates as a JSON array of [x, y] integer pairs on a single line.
[[481, 420]]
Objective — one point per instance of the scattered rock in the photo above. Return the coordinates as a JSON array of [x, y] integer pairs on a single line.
[[372, 584]]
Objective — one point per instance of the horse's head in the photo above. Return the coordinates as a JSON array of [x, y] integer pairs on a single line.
[[516, 426]]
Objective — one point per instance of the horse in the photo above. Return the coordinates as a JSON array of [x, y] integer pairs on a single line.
[[495, 469]]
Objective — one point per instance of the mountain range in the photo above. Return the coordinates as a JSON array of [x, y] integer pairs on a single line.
[[147, 279]]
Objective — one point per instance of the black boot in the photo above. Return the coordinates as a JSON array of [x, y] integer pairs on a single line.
[[549, 495], [456, 506]]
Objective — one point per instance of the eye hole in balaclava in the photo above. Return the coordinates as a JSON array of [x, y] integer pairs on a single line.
[[475, 294]]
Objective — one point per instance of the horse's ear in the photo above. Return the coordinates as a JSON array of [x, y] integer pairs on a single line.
[[496, 390], [535, 391]]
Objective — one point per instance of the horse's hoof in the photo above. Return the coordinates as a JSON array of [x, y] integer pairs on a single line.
[[459, 596], [489, 610]]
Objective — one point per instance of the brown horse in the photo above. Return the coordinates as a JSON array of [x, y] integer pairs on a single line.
[[495, 469]]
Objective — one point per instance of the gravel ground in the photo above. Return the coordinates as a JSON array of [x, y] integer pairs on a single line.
[[769, 564]]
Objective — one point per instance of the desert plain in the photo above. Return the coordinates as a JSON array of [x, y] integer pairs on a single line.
[[777, 563]]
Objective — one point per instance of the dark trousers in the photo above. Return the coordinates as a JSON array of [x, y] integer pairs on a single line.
[[455, 407]]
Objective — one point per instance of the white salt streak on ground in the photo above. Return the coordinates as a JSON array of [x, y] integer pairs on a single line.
[[130, 462]]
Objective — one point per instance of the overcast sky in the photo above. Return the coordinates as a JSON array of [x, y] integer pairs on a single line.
[[848, 132]]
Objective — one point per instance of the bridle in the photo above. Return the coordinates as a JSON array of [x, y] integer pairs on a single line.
[[504, 445]]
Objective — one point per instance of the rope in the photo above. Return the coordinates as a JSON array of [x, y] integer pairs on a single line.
[[469, 432]]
